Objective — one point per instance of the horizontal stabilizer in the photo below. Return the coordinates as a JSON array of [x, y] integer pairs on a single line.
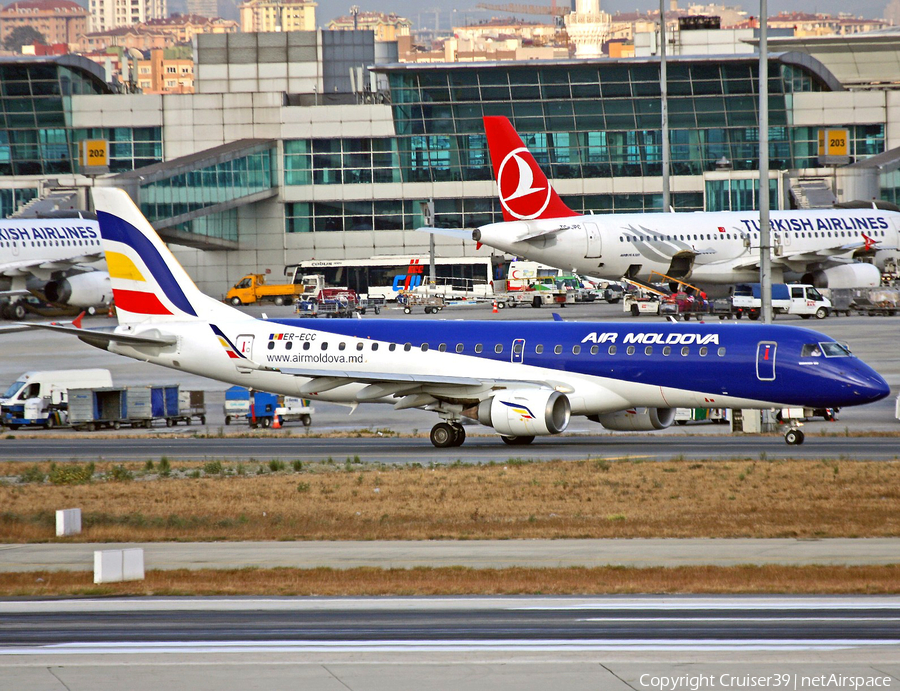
[[102, 339], [457, 233]]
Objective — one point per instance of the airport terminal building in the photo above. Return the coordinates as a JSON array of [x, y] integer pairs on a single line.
[[321, 145]]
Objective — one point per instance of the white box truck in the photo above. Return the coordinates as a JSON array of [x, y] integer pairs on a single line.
[[41, 397]]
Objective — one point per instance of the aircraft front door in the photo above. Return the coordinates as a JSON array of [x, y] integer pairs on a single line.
[[765, 361], [594, 244], [518, 351]]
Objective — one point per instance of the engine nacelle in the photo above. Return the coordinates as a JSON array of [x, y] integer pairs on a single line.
[[80, 290], [526, 412], [637, 419], [855, 275]]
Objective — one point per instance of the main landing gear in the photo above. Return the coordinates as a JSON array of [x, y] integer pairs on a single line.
[[447, 434]]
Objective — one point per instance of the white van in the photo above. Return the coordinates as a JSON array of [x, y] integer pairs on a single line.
[[35, 396]]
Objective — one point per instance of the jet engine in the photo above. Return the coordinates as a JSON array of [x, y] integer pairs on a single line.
[[636, 419], [855, 275], [80, 290], [525, 412]]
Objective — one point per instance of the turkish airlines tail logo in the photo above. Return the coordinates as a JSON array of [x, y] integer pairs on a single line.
[[525, 192]]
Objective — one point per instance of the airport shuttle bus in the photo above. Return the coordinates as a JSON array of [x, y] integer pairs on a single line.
[[385, 276]]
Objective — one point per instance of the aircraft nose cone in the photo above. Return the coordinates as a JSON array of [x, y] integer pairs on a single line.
[[871, 387]]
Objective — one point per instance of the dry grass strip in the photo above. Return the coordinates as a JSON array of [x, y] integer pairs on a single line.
[[463, 581], [586, 499]]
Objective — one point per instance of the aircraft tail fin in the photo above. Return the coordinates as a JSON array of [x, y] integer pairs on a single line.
[[148, 283], [525, 192]]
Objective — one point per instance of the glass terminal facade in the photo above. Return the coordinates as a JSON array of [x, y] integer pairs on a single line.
[[581, 120], [36, 137]]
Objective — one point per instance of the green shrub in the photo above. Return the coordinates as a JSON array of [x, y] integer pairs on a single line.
[[120, 473], [213, 468], [275, 465], [71, 473], [33, 474], [165, 468]]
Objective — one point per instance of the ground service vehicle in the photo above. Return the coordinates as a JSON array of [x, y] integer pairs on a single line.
[[253, 288], [799, 299], [41, 397]]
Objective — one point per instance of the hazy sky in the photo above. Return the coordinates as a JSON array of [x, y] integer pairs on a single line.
[[328, 9]]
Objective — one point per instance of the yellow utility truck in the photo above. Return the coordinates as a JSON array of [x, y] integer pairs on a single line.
[[253, 288]]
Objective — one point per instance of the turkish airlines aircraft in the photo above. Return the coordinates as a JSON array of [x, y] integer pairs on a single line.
[[819, 246], [524, 379], [54, 259]]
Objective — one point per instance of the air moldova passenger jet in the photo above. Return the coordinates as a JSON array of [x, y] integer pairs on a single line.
[[819, 246], [524, 379]]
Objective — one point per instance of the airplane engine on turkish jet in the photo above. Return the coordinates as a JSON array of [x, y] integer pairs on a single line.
[[855, 275], [80, 290], [636, 419], [526, 412]]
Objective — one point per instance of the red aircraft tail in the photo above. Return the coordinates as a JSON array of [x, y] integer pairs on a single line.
[[525, 192]]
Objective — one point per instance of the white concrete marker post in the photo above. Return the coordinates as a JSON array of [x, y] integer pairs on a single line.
[[116, 565], [68, 522]]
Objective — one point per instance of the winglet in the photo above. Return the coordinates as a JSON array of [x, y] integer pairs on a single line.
[[76, 322], [557, 317]]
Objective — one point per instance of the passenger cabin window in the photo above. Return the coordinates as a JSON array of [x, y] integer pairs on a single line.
[[612, 350], [478, 347], [288, 345], [271, 345], [685, 351], [558, 350], [498, 348], [630, 350], [306, 345], [342, 345], [442, 347], [459, 347], [392, 347], [374, 347], [539, 348], [407, 347], [360, 345], [648, 350], [576, 349], [424, 347], [324, 345], [667, 350], [703, 351], [721, 351], [595, 350]]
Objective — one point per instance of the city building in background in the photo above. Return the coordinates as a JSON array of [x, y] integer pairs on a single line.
[[111, 14], [263, 16], [58, 21], [386, 27]]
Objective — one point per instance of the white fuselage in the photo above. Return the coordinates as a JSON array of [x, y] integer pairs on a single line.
[[717, 247]]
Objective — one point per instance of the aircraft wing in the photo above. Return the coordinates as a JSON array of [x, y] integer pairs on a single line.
[[102, 339], [412, 390], [27, 267]]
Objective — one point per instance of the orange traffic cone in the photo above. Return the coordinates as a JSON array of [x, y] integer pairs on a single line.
[[112, 311], [276, 422], [495, 310]]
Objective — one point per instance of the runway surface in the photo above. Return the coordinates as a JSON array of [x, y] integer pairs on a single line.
[[419, 450], [476, 554], [445, 643]]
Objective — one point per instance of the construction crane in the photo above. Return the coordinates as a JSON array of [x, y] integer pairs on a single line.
[[516, 8]]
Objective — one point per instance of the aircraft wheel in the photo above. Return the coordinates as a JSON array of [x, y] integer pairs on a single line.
[[517, 441], [794, 437], [443, 435], [236, 302], [17, 310], [821, 313], [460, 435]]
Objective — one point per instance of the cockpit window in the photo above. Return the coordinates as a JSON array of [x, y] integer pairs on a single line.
[[828, 349], [833, 349]]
